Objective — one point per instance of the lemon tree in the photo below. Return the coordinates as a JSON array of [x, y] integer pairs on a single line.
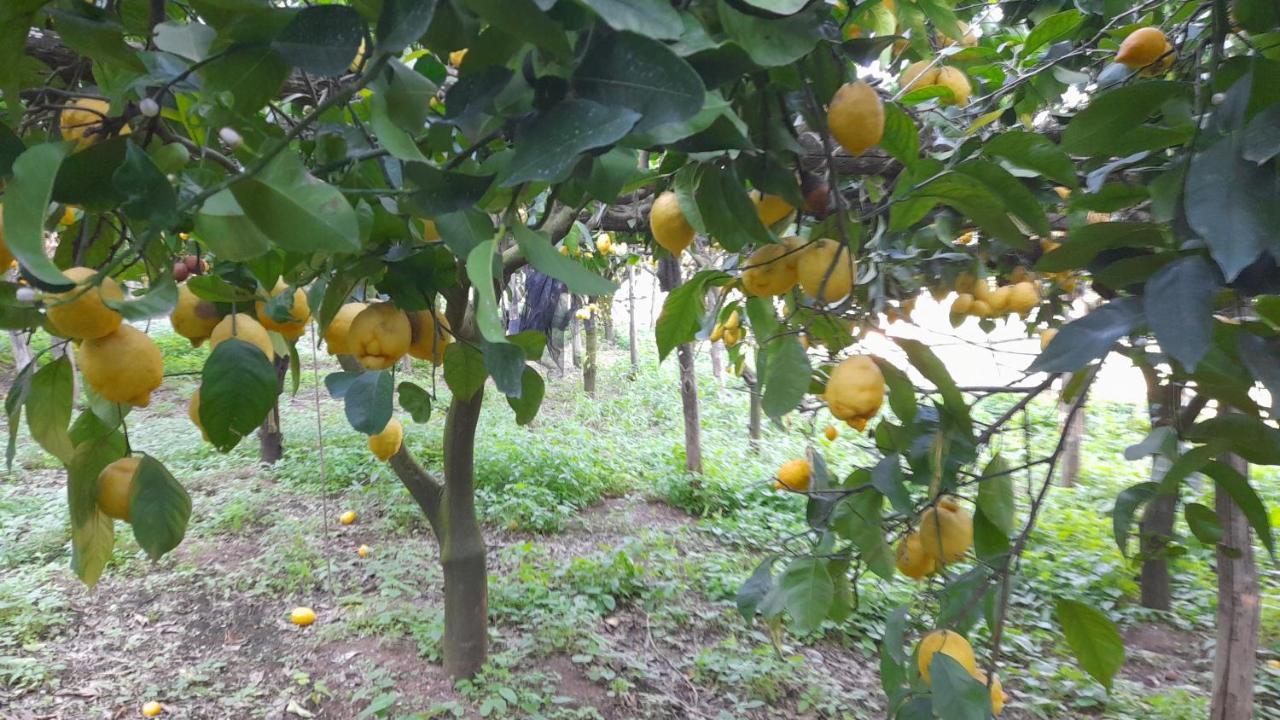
[[351, 167]]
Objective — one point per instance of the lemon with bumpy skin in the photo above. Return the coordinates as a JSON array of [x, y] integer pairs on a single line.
[[794, 475], [856, 117], [855, 390], [967, 38], [946, 531], [668, 224], [380, 335], [299, 313], [962, 305], [919, 74], [771, 209], [335, 336], [302, 616], [998, 300], [771, 270], [80, 312], [1024, 297], [998, 696], [827, 267], [194, 318], [1142, 47], [242, 326], [431, 335], [81, 121], [387, 443], [912, 560], [949, 643], [957, 82], [123, 367], [115, 485]]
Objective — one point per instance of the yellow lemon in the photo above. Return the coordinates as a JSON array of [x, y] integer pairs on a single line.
[[828, 267], [335, 336], [380, 335], [771, 209], [998, 696], [363, 551], [963, 304], [919, 74], [1024, 297], [347, 517], [80, 312], [457, 56], [243, 327], [193, 412], [193, 318], [302, 616], [912, 560], [667, 223], [731, 336], [387, 443], [123, 367], [1142, 47], [946, 531], [115, 486], [81, 121], [831, 432], [430, 232], [794, 475], [299, 313], [431, 335], [957, 82], [357, 62], [152, 709], [1046, 337], [856, 117], [947, 642], [855, 391], [771, 270], [998, 300]]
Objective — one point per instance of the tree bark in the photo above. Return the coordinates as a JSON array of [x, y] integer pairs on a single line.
[[756, 417], [1074, 432], [575, 342], [606, 319], [270, 435], [1156, 528], [590, 341], [669, 277], [1239, 608], [717, 363], [22, 349], [631, 321], [462, 549]]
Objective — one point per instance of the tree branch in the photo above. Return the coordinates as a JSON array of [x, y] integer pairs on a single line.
[[426, 489]]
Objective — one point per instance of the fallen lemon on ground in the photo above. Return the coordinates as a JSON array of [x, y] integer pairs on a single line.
[[831, 432], [363, 551], [347, 517], [302, 616], [152, 709]]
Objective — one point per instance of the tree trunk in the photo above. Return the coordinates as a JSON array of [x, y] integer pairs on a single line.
[[270, 436], [631, 320], [717, 363], [1239, 605], [575, 343], [22, 349], [757, 411], [462, 549], [1156, 528], [1074, 433], [590, 355], [606, 319], [669, 275]]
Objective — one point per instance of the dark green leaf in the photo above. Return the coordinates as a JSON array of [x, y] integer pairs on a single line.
[[85, 177], [1262, 136], [1111, 119], [414, 400], [462, 231], [552, 144], [1089, 338], [1249, 437], [26, 199], [441, 192], [769, 42], [1093, 639], [190, 40], [976, 200], [1179, 307], [1203, 522], [537, 249], [148, 195], [48, 402], [480, 269], [322, 39], [368, 402], [505, 364], [808, 591], [632, 71], [652, 18], [996, 498], [1016, 197], [464, 371], [525, 20], [402, 22], [159, 508], [298, 212], [755, 588], [1231, 203], [238, 389], [682, 311], [787, 379], [1058, 26], [726, 210], [252, 73], [1033, 151], [1263, 361], [229, 233], [957, 695], [924, 360], [1229, 480], [1086, 242], [532, 389], [1127, 503], [857, 518], [901, 137]]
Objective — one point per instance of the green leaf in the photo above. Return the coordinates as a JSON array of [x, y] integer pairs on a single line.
[[973, 199], [16, 18], [1247, 436], [754, 590], [957, 695], [96, 36], [533, 342], [1256, 16], [238, 388], [1089, 338], [901, 137], [726, 210], [403, 22], [682, 311], [1127, 502], [1052, 29], [322, 39], [229, 233], [1263, 361], [858, 518], [1112, 119], [1017, 198], [778, 7], [463, 230], [48, 403], [26, 199], [532, 389], [92, 532], [480, 268], [86, 177], [787, 376], [1093, 638], [990, 543], [807, 591], [902, 392], [190, 40], [1228, 479], [13, 404], [159, 508], [1179, 306], [537, 249], [1086, 242], [464, 371], [414, 400], [368, 403], [147, 193], [552, 144], [1203, 523], [1035, 152], [1262, 136], [505, 364], [942, 16], [298, 212], [1230, 202], [441, 192], [610, 173], [252, 73], [996, 498], [643, 75], [933, 370], [653, 18], [392, 137], [525, 20], [770, 43]]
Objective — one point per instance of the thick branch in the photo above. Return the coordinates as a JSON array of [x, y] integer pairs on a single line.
[[426, 489]]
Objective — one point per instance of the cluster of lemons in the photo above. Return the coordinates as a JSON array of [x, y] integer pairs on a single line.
[[976, 298], [928, 73], [729, 331], [953, 645], [605, 245]]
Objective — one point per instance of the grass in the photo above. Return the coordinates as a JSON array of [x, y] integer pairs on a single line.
[[641, 610]]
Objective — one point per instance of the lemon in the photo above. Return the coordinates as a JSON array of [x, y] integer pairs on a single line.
[[963, 304], [957, 82], [967, 38], [771, 209], [794, 475], [380, 335], [363, 551], [604, 243], [193, 317], [242, 326], [855, 390], [771, 270], [387, 443], [1046, 337], [81, 121], [193, 412], [831, 432], [998, 300], [948, 643], [299, 313], [1024, 297], [828, 267], [998, 696], [347, 517], [919, 74], [667, 223], [123, 367], [1142, 47], [856, 117], [80, 312], [457, 56], [115, 486], [717, 332], [912, 560], [731, 336], [335, 336], [152, 709], [733, 322], [981, 309], [357, 62], [431, 335], [302, 616], [946, 531]]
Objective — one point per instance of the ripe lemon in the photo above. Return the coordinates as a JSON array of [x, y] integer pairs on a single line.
[[733, 322], [912, 560], [946, 531], [387, 443], [299, 313], [152, 709], [347, 517], [193, 317], [430, 232], [430, 332], [998, 300], [115, 485], [80, 312], [81, 121], [717, 332], [357, 62], [957, 82], [193, 412], [963, 304], [302, 616], [123, 367], [242, 326], [831, 432], [967, 38], [335, 336], [919, 74], [1024, 297], [1142, 47], [771, 270], [771, 209], [947, 642], [667, 223], [856, 117], [855, 391], [731, 336], [794, 475], [380, 335], [1046, 337], [998, 696], [457, 56], [363, 551], [819, 259]]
